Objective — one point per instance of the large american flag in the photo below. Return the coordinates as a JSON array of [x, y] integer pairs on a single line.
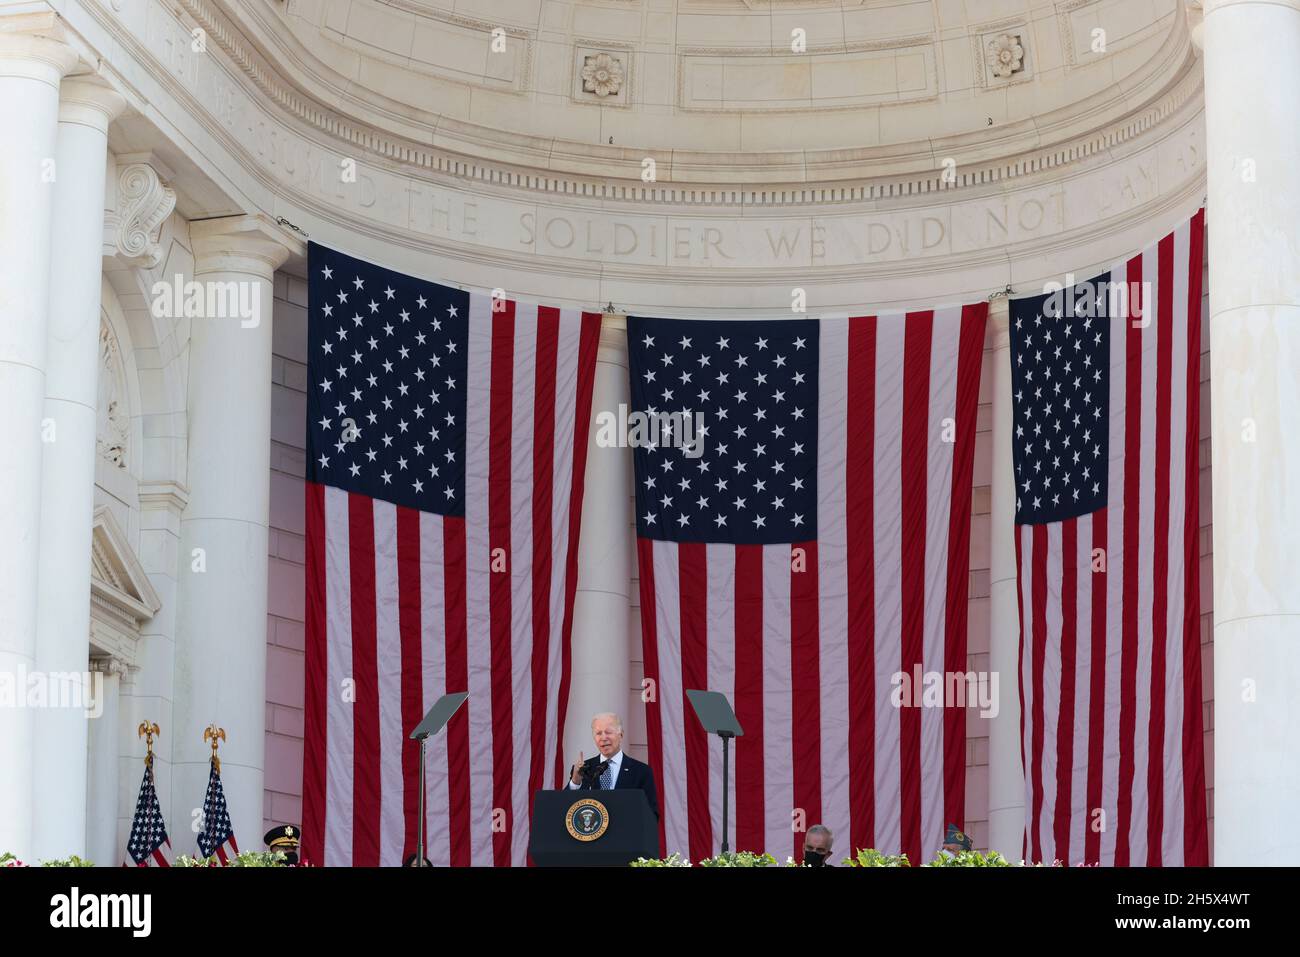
[[218, 834], [446, 446], [817, 547], [148, 838], [1106, 393]]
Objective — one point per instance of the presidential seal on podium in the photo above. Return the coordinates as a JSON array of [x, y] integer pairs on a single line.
[[586, 819]]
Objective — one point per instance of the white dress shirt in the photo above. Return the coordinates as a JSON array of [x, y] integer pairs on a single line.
[[615, 764]]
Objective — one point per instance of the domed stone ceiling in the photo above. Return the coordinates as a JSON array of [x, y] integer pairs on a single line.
[[726, 90]]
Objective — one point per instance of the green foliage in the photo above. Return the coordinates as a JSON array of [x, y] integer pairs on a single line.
[[730, 859], [259, 859], [672, 860], [870, 857], [245, 859], [863, 857], [739, 859], [73, 861], [8, 860], [969, 859]]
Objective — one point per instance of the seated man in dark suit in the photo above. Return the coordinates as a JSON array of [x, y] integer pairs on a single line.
[[817, 846], [612, 769]]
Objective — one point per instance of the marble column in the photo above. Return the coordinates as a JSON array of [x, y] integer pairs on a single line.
[[31, 70], [103, 765], [68, 469], [1006, 775], [1252, 85], [220, 667], [601, 614]]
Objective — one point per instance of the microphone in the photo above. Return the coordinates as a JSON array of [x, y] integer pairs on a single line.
[[591, 773]]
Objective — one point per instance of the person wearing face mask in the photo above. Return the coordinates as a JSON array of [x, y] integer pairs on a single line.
[[817, 846]]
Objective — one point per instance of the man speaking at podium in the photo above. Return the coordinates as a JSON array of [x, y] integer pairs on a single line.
[[611, 769]]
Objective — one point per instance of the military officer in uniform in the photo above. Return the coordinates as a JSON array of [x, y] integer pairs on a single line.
[[286, 839], [955, 840]]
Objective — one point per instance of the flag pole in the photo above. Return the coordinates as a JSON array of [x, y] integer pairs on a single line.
[[148, 731], [213, 733]]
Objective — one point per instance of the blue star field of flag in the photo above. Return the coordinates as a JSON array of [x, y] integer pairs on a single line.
[[386, 372], [753, 387], [217, 828], [148, 833], [1060, 384]]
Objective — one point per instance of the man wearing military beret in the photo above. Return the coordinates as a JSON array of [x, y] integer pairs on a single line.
[[285, 839]]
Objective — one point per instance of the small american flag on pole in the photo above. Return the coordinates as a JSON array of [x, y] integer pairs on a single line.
[[1106, 435], [446, 452], [218, 835], [148, 837], [813, 547]]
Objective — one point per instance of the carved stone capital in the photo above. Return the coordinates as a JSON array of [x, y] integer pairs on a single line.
[[251, 244], [613, 338], [1195, 23], [110, 666], [89, 104], [31, 46], [143, 203], [1000, 319]]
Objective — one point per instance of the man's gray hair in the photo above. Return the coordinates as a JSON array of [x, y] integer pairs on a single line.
[[823, 829], [618, 722]]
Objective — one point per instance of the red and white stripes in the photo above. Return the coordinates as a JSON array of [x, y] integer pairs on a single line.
[[805, 640], [1109, 603], [405, 606]]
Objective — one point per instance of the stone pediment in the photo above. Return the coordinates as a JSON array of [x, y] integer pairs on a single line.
[[118, 583]]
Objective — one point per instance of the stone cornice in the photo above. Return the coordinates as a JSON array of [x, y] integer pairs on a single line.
[[450, 148], [410, 203], [168, 496]]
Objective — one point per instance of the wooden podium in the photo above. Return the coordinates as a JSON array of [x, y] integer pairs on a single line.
[[592, 828]]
